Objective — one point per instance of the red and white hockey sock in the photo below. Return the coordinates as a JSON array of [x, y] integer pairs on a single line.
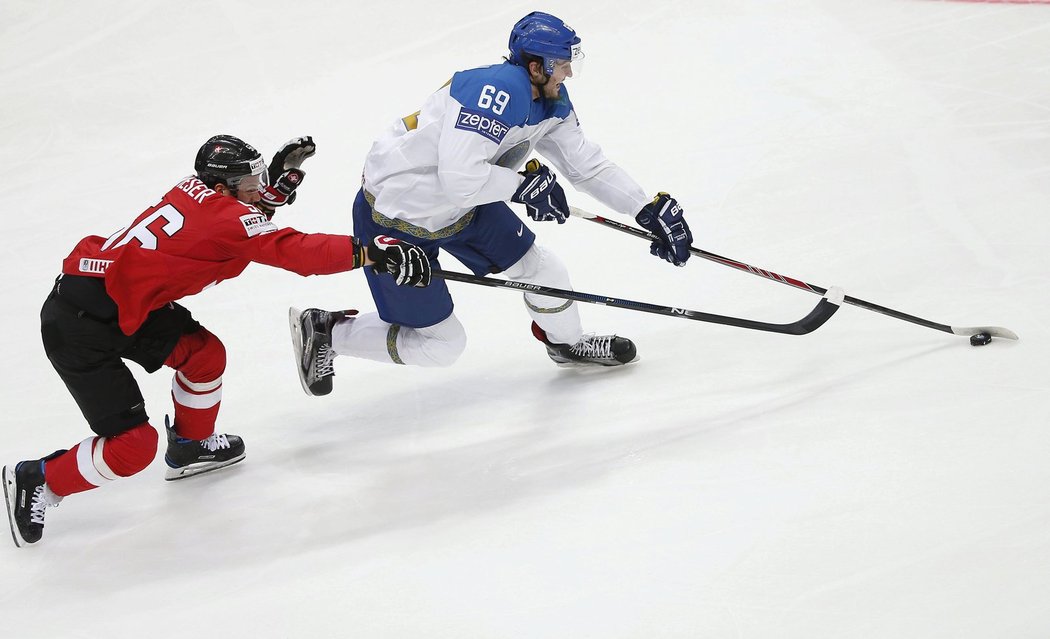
[[199, 360], [196, 406], [96, 461]]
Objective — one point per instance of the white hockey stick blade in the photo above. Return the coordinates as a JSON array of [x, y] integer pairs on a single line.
[[994, 331]]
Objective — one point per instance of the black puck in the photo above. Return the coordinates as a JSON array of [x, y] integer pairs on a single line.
[[980, 339]]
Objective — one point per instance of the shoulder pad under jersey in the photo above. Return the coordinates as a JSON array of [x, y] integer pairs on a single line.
[[235, 219], [500, 91]]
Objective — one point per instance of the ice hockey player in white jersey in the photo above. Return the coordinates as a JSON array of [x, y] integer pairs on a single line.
[[441, 179]]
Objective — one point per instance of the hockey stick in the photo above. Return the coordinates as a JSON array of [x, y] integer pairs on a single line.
[[821, 313], [995, 331]]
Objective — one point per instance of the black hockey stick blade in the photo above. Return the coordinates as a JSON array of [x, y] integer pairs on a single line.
[[994, 331], [821, 313]]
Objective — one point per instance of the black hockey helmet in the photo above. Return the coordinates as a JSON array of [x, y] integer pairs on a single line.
[[225, 159]]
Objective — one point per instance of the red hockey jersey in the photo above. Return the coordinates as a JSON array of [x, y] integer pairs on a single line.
[[195, 238]]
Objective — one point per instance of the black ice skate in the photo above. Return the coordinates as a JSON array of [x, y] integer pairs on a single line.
[[591, 350], [189, 457], [27, 498], [312, 343]]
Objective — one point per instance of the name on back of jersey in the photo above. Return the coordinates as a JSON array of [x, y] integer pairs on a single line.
[[194, 188]]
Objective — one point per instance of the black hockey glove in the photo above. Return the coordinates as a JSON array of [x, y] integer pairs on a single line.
[[663, 218], [541, 194], [291, 156], [280, 192], [406, 262]]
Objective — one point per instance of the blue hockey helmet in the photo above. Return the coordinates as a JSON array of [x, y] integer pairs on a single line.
[[545, 36]]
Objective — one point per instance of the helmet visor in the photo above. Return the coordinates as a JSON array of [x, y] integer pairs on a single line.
[[567, 68], [252, 182]]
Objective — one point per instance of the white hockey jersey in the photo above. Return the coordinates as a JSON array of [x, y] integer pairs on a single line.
[[465, 146]]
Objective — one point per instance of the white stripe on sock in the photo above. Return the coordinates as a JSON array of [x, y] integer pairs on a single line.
[[189, 400], [99, 461], [199, 387], [86, 465]]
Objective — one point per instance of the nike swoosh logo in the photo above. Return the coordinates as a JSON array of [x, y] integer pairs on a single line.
[[521, 230]]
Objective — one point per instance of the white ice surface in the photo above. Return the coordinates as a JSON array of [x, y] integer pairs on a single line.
[[872, 479]]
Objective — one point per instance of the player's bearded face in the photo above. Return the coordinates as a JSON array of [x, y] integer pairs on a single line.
[[549, 86], [562, 70]]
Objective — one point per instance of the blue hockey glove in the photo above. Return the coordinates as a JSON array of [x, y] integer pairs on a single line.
[[663, 218], [541, 194]]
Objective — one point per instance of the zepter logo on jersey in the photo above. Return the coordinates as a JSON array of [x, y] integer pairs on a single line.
[[483, 123]]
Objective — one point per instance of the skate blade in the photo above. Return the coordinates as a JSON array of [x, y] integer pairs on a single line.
[[297, 345], [570, 363], [184, 472], [9, 497]]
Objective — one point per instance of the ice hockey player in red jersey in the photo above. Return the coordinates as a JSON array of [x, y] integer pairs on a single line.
[[116, 300]]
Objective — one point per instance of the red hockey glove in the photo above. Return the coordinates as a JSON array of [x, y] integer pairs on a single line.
[[406, 262], [281, 192], [291, 156]]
